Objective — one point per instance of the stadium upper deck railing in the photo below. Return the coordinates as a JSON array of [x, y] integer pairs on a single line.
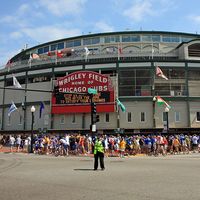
[[55, 60]]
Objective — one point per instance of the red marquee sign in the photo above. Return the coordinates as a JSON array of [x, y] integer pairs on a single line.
[[73, 97]]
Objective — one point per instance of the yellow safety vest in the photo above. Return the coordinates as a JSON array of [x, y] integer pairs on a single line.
[[98, 147]]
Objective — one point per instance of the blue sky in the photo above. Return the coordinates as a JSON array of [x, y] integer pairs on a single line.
[[38, 21]]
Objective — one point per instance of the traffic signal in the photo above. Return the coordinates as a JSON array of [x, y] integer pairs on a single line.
[[56, 90], [97, 118], [94, 108]]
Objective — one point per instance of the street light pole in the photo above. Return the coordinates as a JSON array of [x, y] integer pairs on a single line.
[[154, 112], [32, 121], [167, 118]]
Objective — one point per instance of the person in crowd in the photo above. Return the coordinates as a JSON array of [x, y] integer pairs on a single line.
[[18, 143], [11, 142], [176, 145], [195, 139], [122, 147]]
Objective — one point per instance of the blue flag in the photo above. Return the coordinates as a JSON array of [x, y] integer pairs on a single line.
[[12, 108], [41, 108]]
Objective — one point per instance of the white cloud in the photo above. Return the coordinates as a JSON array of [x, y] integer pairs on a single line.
[[103, 27], [63, 7], [15, 35], [195, 18], [139, 10], [23, 9], [49, 33]]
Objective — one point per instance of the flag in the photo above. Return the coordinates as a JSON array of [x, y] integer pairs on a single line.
[[119, 51], [8, 65], [109, 50], [50, 53], [87, 52], [12, 108], [16, 84], [59, 54], [123, 108], [161, 102], [30, 60], [41, 108], [35, 56], [160, 73]]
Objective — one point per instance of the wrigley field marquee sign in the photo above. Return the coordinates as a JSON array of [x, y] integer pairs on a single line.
[[74, 97]]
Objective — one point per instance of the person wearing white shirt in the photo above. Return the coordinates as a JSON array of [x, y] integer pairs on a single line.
[[11, 142]]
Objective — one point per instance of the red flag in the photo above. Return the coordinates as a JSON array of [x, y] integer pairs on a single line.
[[51, 53], [59, 54]]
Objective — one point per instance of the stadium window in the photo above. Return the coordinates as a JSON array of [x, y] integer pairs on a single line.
[[95, 40], [170, 39], [126, 38], [142, 117], [164, 117], [40, 51], [62, 119], [129, 117], [107, 117], [53, 47], [131, 38], [77, 43], [46, 49], [61, 45], [69, 44], [111, 39], [198, 116], [146, 38], [156, 38], [73, 119], [86, 41], [177, 116]]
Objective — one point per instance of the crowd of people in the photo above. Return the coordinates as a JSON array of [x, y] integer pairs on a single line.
[[115, 145]]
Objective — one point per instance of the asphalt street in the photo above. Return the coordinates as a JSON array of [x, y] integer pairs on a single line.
[[34, 177]]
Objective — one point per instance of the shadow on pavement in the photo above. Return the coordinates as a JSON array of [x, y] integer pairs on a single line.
[[83, 169]]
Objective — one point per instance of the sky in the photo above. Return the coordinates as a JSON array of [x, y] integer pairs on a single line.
[[26, 22]]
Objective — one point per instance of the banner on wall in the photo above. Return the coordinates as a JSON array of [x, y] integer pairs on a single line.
[[73, 96]]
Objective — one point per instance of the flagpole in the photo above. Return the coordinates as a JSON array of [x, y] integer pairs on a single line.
[[118, 51], [153, 95], [56, 56], [30, 60]]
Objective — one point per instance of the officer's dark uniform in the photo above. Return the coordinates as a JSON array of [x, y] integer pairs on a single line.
[[99, 154]]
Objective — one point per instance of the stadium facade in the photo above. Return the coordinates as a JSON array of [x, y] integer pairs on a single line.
[[120, 65]]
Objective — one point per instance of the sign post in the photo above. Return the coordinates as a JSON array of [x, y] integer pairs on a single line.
[[91, 92]]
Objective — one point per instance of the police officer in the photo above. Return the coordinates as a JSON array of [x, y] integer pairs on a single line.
[[99, 153]]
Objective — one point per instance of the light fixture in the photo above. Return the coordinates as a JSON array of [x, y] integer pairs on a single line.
[[33, 109]]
